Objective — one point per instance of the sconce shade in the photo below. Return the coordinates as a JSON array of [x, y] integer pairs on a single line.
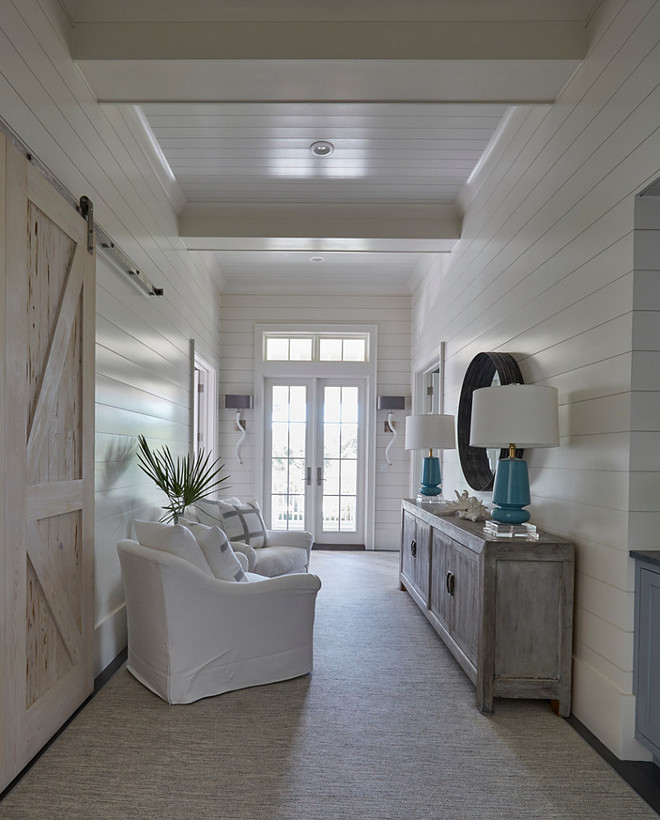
[[391, 403], [434, 430], [526, 415], [236, 402]]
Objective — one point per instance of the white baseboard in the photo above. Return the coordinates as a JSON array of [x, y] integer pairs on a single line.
[[606, 711], [110, 637]]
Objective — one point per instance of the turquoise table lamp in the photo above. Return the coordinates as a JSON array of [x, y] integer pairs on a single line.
[[514, 416], [426, 432]]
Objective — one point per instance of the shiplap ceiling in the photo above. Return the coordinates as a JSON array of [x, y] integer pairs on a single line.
[[230, 94], [259, 152]]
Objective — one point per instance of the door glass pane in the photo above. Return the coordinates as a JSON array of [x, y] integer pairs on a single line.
[[296, 512], [288, 435], [347, 521], [349, 405], [349, 441], [280, 403], [279, 476], [349, 477], [340, 451], [331, 476], [298, 403], [332, 410], [330, 513], [297, 439], [331, 440]]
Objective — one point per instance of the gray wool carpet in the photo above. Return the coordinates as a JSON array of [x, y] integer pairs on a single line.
[[384, 729]]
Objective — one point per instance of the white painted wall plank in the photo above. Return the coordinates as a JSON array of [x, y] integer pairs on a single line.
[[545, 270]]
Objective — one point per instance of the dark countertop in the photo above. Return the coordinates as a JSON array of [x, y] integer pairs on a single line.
[[650, 556]]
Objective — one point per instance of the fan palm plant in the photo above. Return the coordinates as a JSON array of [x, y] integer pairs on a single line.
[[184, 480]]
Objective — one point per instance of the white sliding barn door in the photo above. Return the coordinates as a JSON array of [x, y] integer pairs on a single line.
[[48, 290]]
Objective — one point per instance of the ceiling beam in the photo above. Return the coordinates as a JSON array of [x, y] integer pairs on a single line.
[[323, 40], [512, 61], [514, 82], [405, 228]]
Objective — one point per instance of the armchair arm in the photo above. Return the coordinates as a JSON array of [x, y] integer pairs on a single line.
[[290, 538], [245, 549], [245, 563]]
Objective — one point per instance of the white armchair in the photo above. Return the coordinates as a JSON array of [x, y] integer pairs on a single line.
[[191, 635], [271, 552]]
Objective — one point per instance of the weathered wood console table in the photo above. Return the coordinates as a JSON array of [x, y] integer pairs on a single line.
[[504, 607]]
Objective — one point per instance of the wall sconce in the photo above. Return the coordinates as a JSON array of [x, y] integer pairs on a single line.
[[424, 433], [238, 403], [391, 403], [514, 416]]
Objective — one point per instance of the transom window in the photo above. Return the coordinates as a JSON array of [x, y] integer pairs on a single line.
[[315, 347]]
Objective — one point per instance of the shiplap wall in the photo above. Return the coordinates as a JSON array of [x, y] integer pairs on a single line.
[[143, 367], [391, 314], [544, 270], [644, 521]]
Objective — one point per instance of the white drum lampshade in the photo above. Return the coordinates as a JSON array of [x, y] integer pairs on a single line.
[[514, 415], [426, 432]]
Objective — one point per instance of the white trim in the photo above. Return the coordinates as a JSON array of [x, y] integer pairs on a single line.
[[419, 405], [204, 412], [110, 637], [322, 370]]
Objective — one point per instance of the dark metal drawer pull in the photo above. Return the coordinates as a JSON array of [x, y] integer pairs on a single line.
[[450, 582], [413, 548]]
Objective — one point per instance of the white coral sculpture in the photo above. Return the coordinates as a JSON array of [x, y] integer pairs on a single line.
[[468, 506]]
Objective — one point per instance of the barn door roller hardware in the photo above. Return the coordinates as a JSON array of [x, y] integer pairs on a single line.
[[85, 208]]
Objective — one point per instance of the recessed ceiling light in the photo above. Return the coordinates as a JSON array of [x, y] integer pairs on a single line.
[[316, 259], [321, 148]]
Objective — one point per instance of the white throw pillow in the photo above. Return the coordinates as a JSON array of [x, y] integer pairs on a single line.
[[218, 552], [241, 520], [172, 538]]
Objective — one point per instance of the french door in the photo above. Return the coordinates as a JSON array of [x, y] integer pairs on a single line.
[[314, 466]]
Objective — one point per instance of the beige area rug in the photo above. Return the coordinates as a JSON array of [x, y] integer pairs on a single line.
[[384, 729]]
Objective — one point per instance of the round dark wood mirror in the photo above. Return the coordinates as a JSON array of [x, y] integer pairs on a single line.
[[484, 370]]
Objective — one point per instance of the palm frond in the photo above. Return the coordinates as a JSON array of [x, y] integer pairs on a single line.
[[184, 480]]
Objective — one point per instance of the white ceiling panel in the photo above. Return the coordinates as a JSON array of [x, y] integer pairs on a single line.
[[287, 272], [259, 152]]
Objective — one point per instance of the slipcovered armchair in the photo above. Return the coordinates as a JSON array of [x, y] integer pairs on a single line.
[[269, 552], [192, 635]]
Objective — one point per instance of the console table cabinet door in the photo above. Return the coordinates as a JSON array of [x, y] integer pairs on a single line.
[[532, 642], [415, 549], [455, 591], [441, 563], [466, 597], [408, 546]]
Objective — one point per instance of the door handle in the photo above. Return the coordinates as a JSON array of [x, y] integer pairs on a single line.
[[309, 477], [319, 476]]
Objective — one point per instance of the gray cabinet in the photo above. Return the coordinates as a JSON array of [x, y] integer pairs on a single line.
[[415, 557], [646, 668], [504, 608]]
